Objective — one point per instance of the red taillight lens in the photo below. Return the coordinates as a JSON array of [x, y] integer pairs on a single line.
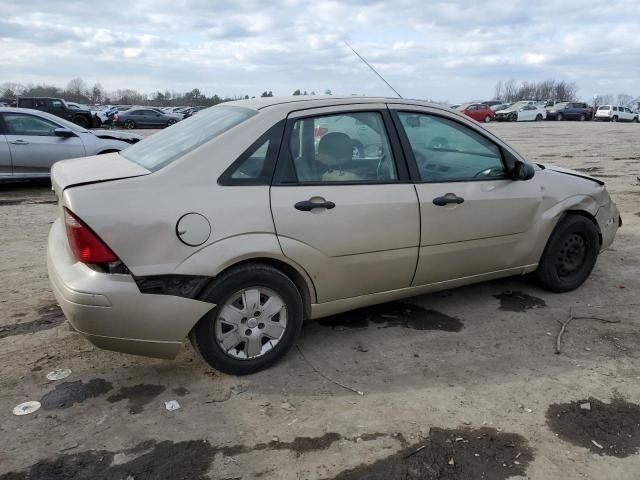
[[86, 245]]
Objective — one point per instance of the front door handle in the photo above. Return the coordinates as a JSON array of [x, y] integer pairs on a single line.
[[447, 199], [19, 142], [308, 205]]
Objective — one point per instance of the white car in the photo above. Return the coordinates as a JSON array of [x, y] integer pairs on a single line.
[[525, 110], [612, 113]]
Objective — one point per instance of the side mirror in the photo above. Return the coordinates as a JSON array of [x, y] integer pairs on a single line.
[[521, 110], [523, 171], [64, 133]]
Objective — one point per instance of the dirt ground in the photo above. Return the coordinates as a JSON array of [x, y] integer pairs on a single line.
[[462, 384]]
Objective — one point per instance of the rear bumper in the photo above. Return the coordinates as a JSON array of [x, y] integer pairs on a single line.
[[111, 312]]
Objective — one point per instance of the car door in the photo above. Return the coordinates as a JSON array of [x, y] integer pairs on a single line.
[[474, 217], [6, 168], [34, 145], [342, 203]]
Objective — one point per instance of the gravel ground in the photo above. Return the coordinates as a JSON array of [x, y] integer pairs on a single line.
[[458, 384]]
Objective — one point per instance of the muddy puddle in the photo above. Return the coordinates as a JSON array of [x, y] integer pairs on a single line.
[[67, 394], [452, 454], [395, 314], [604, 428], [515, 301], [137, 396], [49, 316]]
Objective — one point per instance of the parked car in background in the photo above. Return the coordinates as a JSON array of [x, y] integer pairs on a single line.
[[491, 103], [32, 141], [59, 108], [159, 243], [145, 117], [478, 111], [500, 106], [570, 111], [522, 111], [613, 113]]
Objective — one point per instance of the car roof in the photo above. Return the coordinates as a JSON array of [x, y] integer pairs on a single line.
[[301, 102]]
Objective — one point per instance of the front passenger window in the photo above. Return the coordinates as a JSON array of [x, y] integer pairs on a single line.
[[446, 150], [21, 124]]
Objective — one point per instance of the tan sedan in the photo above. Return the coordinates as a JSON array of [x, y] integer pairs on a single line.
[[233, 226]]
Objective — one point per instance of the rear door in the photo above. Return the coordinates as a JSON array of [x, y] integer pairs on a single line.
[[342, 203], [34, 146], [474, 218], [5, 153]]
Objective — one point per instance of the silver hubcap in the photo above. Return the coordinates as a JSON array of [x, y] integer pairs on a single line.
[[251, 323]]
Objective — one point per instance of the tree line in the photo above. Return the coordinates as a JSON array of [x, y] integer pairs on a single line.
[[78, 91], [511, 91]]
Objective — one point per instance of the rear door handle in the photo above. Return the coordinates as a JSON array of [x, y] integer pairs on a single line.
[[308, 205], [19, 142], [447, 199]]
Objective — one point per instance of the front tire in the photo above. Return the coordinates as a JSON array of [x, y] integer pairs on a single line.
[[570, 254], [257, 318], [614, 119], [538, 118], [81, 121], [583, 117], [487, 119], [560, 117], [513, 117], [129, 124], [170, 122]]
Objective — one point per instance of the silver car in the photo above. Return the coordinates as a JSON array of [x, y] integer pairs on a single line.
[[235, 225], [32, 141]]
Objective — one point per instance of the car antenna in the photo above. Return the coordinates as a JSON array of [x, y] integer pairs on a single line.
[[373, 69]]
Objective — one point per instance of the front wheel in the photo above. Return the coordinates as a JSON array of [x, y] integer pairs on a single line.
[[538, 118], [129, 124], [570, 254], [487, 119], [257, 318], [81, 121], [170, 122], [513, 117], [560, 117], [614, 119], [583, 117]]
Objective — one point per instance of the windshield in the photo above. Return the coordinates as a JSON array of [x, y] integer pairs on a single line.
[[158, 150]]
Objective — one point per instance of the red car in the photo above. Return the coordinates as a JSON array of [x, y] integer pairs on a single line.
[[477, 111]]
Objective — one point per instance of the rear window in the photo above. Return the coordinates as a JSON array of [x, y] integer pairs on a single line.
[[604, 107], [164, 147]]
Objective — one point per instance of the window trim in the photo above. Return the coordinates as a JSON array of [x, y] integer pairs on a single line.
[[275, 135], [285, 171], [414, 170]]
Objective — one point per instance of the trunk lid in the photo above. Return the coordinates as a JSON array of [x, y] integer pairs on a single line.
[[99, 168]]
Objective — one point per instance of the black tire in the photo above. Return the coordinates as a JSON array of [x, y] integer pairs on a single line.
[[81, 121], [583, 117], [171, 122], [538, 118], [513, 117], [614, 119], [570, 254], [222, 289], [129, 124], [560, 117]]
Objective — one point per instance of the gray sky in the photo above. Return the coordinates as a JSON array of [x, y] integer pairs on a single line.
[[446, 50]]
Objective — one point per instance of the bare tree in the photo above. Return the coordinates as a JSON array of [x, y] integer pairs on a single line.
[[76, 90], [625, 100], [605, 99]]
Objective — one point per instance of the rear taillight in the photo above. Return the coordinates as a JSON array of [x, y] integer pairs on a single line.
[[86, 245], [116, 117]]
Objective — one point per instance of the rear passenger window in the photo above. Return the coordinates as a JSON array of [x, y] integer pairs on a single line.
[[350, 147]]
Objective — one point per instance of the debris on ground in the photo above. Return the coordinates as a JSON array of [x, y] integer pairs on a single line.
[[58, 374], [171, 405], [26, 408], [287, 406]]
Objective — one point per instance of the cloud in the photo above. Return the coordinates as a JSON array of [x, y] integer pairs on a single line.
[[443, 49]]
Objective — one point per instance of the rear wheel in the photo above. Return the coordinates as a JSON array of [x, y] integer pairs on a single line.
[[570, 254], [129, 124], [257, 318], [81, 121]]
